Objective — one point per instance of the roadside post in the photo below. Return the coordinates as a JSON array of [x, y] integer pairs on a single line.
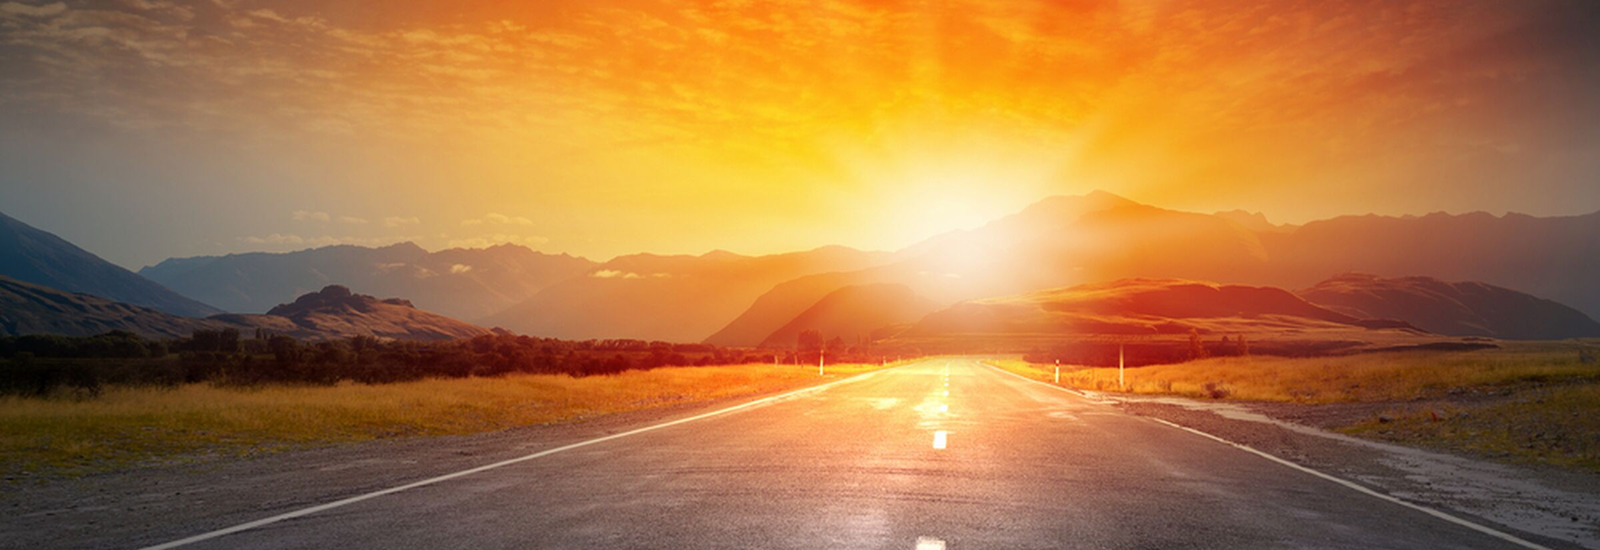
[[1058, 372], [1121, 381], [822, 357]]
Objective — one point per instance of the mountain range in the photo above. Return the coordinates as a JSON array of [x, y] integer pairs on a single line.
[[463, 283], [1452, 308], [671, 298], [27, 308], [30, 255], [36, 268], [1098, 237], [1511, 276]]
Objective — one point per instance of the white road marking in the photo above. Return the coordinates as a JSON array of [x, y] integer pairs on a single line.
[[929, 543], [947, 393], [944, 408], [1369, 492], [939, 438], [430, 481], [1496, 533]]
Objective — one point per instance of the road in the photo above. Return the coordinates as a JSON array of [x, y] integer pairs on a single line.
[[858, 464]]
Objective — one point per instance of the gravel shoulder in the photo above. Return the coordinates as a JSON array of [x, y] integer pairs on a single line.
[[1552, 506]]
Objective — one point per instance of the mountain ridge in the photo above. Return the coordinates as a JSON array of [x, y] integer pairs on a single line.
[[33, 255]]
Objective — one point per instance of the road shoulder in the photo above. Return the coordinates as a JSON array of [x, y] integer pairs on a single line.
[[1556, 507]]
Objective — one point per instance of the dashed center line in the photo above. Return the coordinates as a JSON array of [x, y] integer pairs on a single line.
[[944, 408], [929, 543], [939, 440]]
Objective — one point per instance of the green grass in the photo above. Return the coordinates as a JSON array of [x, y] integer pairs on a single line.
[[125, 426]]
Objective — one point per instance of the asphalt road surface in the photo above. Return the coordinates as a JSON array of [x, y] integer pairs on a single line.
[[939, 454]]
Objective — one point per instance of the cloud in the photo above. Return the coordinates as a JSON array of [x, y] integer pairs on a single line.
[[397, 221], [306, 215], [352, 220], [513, 220], [614, 274], [275, 238], [497, 218], [279, 240], [33, 11], [617, 274], [458, 269], [491, 239]]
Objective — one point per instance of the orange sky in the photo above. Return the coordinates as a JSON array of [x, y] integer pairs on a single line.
[[602, 128]]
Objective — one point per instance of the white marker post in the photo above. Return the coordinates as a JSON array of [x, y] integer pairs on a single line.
[[1121, 381], [822, 357], [1058, 371]]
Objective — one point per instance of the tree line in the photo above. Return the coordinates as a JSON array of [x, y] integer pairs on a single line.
[[42, 364]]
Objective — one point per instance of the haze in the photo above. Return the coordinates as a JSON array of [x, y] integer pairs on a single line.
[[609, 128]]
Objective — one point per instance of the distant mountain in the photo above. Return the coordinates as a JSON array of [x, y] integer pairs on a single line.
[[332, 313], [463, 283], [1459, 309], [1067, 240], [1254, 221], [31, 255], [1056, 242], [1555, 257], [1154, 320], [855, 312], [27, 308], [673, 298], [335, 312]]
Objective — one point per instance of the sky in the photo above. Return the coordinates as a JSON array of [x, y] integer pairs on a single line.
[[147, 129]]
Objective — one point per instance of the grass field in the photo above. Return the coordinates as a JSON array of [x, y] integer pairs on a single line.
[[125, 426], [1534, 401]]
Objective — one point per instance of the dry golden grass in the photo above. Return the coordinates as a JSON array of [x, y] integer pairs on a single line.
[[1369, 377], [127, 426], [1531, 402]]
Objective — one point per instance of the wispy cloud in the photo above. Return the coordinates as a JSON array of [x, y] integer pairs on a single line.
[[397, 221], [281, 240], [618, 274], [496, 218], [30, 10], [307, 215], [492, 239]]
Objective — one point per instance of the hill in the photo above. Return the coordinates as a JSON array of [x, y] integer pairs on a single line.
[[335, 312], [1067, 240], [27, 308], [674, 298], [464, 283], [855, 312], [1552, 257], [35, 256], [1136, 307], [1458, 309], [1158, 317], [1055, 242]]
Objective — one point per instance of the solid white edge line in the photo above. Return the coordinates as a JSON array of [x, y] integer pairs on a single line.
[[430, 481], [1364, 490], [1502, 535]]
